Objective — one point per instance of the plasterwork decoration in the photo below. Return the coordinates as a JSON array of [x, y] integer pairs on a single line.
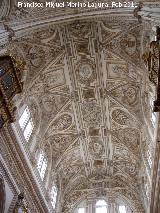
[[84, 89], [96, 147], [91, 113], [127, 94], [123, 118], [85, 72], [89, 109], [62, 123], [20, 173]]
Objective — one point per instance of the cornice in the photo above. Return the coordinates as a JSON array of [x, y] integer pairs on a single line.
[[13, 150], [7, 177], [25, 25]]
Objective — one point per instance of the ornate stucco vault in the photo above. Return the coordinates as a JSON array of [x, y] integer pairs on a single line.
[[85, 80], [84, 85]]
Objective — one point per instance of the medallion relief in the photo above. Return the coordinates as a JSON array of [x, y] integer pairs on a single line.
[[86, 73], [96, 147]]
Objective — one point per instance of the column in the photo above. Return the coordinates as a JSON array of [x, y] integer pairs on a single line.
[[112, 205], [91, 203]]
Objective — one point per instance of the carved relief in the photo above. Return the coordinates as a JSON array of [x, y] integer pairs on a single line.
[[127, 94], [129, 137], [96, 147], [60, 143], [84, 79], [62, 123], [129, 44], [123, 71], [91, 113], [53, 78], [80, 29], [123, 118], [86, 72]]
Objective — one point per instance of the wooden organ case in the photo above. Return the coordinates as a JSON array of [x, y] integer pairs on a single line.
[[152, 60], [10, 85]]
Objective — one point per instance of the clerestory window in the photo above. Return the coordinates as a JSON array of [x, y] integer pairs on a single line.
[[42, 165], [153, 115], [54, 196], [101, 206], [122, 209], [26, 124], [81, 210], [153, 118]]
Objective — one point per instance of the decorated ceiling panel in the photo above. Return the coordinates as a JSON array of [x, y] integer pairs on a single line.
[[85, 78]]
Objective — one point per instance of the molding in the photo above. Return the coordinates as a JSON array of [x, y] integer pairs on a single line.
[[9, 179], [21, 171]]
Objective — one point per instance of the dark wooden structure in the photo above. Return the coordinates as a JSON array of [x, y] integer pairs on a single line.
[[20, 206], [10, 85], [152, 62], [2, 195], [156, 68]]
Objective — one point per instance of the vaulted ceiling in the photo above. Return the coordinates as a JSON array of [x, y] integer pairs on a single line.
[[84, 86], [84, 91]]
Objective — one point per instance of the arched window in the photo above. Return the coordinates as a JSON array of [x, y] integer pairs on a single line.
[[26, 124], [81, 210], [42, 165], [153, 118], [53, 196], [153, 115], [122, 209], [101, 206]]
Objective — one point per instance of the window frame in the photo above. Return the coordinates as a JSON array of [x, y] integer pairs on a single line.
[[153, 114], [122, 210], [83, 209], [53, 202], [42, 161], [101, 206], [25, 122]]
